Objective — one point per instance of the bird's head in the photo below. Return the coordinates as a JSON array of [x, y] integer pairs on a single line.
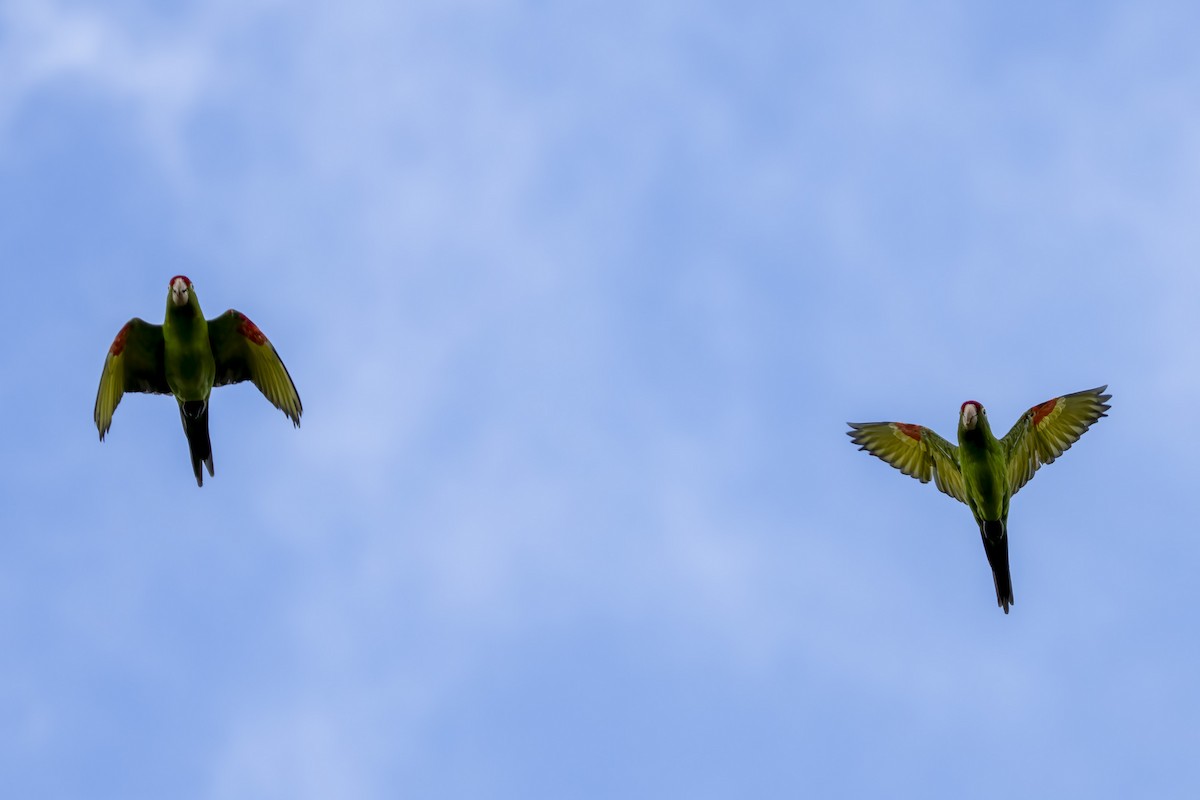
[[181, 290], [971, 413]]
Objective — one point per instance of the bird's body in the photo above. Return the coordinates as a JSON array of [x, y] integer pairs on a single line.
[[984, 464], [982, 471], [186, 357]]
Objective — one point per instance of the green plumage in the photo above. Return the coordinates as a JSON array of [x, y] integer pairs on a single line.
[[982, 471], [186, 357], [984, 466]]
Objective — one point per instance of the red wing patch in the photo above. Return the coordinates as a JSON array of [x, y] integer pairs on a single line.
[[118, 345], [1040, 412], [912, 431], [250, 330]]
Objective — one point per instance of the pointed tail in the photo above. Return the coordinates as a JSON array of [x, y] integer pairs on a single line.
[[194, 414], [995, 544]]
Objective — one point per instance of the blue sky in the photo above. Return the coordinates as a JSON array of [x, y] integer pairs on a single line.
[[579, 298]]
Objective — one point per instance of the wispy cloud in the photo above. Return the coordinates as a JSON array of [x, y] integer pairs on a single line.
[[153, 76], [578, 302]]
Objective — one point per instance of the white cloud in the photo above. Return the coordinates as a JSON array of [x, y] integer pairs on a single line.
[[303, 753], [528, 408], [153, 76]]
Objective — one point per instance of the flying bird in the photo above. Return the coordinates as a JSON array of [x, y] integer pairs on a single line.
[[186, 357], [982, 471]]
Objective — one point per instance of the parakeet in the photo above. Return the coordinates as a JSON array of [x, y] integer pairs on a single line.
[[187, 356], [985, 472]]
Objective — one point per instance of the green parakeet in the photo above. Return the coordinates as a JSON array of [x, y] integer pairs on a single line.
[[187, 356], [982, 471]]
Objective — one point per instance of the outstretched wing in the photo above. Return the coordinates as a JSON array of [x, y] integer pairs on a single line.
[[242, 353], [914, 450], [134, 364], [1046, 431]]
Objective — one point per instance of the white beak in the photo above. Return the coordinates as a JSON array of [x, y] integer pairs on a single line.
[[970, 416], [179, 293]]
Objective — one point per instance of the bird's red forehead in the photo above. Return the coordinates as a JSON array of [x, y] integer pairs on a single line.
[[970, 403], [186, 281]]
